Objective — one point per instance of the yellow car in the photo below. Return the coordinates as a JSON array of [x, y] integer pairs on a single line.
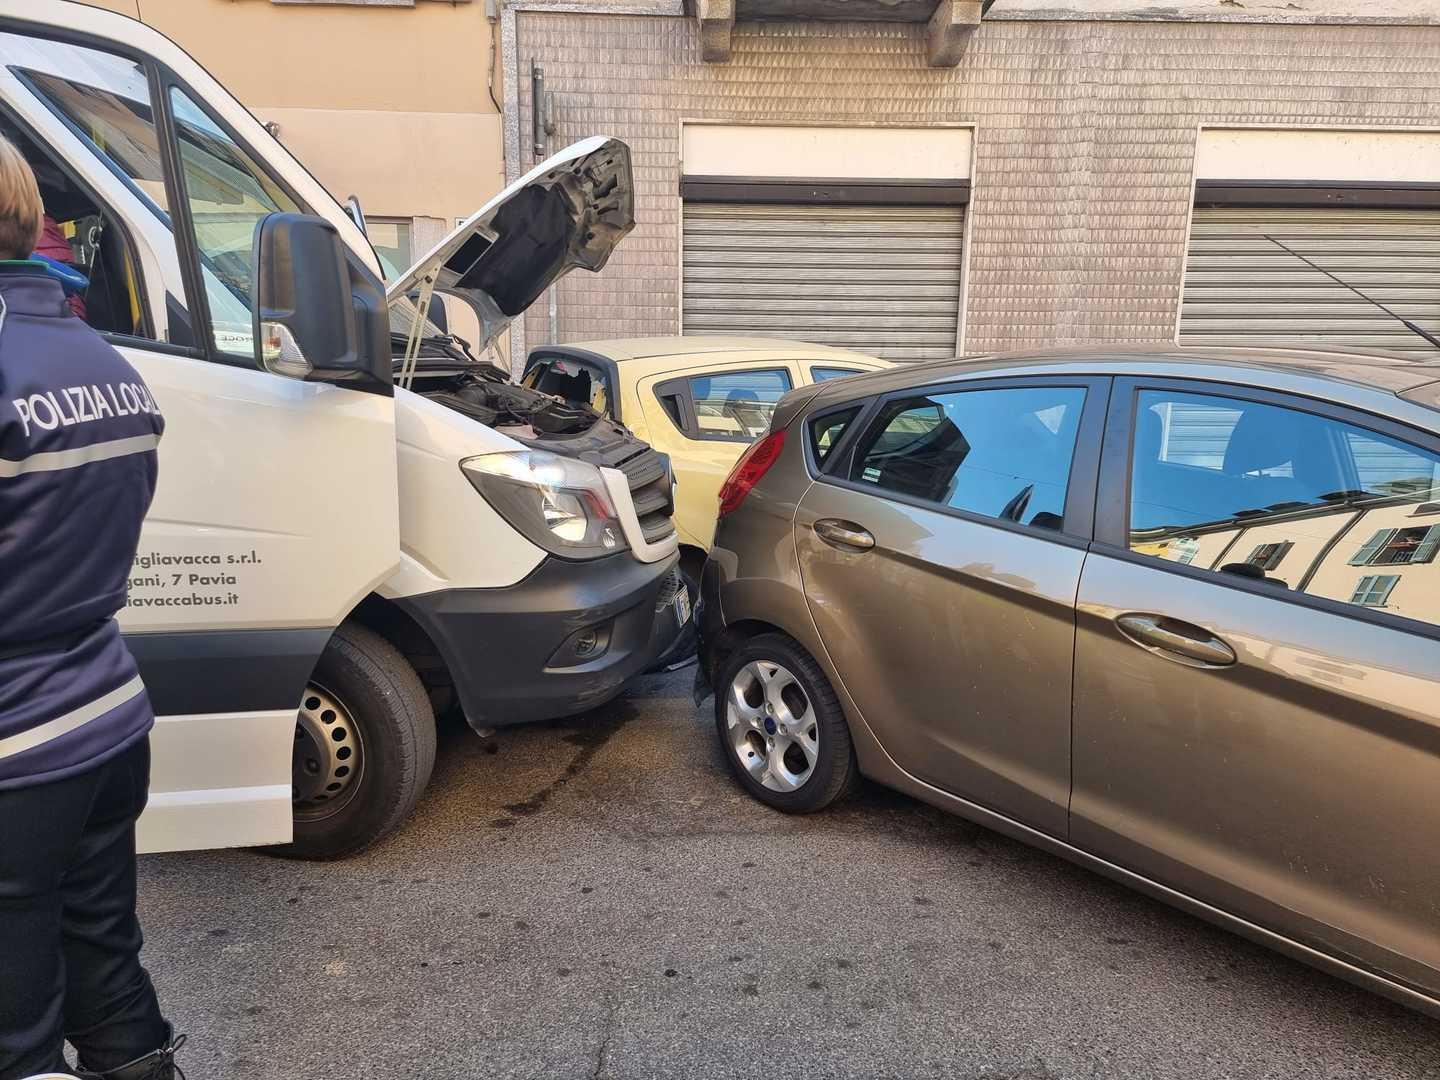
[[702, 400]]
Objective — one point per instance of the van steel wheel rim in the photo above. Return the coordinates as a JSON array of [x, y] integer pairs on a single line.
[[772, 726], [328, 756]]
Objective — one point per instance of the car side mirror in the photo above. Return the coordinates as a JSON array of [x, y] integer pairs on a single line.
[[318, 313]]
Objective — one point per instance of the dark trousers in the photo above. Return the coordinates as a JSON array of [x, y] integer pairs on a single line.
[[69, 937]]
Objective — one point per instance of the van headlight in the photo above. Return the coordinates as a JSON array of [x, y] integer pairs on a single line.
[[558, 503]]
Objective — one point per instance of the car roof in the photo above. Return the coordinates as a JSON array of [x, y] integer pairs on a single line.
[[647, 348], [1387, 373]]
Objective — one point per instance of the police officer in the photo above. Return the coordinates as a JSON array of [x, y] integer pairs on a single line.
[[78, 432]]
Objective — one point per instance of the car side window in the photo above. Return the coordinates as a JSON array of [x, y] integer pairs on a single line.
[[1290, 498], [737, 404], [820, 374], [1000, 452]]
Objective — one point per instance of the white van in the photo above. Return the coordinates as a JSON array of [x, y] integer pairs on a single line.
[[367, 546]]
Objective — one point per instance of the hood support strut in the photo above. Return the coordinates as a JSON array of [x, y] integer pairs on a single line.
[[412, 341]]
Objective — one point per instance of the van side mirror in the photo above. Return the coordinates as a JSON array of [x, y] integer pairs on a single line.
[[318, 314]]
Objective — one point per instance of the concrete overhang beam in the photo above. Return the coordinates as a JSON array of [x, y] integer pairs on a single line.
[[950, 23], [717, 22], [951, 27]]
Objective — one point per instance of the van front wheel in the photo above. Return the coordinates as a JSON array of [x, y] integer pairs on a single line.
[[364, 747]]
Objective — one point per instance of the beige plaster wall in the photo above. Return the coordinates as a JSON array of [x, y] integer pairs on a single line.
[[387, 103]]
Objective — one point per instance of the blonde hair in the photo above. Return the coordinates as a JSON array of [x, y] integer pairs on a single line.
[[22, 214]]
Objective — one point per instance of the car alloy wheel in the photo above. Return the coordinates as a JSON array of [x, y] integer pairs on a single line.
[[772, 727]]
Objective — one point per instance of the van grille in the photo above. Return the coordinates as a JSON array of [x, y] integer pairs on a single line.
[[648, 474]]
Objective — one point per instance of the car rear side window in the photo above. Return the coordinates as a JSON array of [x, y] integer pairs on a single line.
[[1001, 452], [1299, 501], [826, 430], [821, 374]]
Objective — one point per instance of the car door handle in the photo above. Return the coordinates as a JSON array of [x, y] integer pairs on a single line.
[[844, 534], [1176, 640]]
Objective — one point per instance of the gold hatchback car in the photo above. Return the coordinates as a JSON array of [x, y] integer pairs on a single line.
[[702, 400], [1172, 614]]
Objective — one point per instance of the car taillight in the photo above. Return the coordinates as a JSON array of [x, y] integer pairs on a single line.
[[753, 464]]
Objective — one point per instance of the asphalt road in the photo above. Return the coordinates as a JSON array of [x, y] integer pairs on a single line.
[[596, 899]]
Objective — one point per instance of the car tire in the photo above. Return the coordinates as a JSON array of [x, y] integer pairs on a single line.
[[364, 704], [761, 744]]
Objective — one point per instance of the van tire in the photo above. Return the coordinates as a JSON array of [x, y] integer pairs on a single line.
[[388, 705], [835, 773]]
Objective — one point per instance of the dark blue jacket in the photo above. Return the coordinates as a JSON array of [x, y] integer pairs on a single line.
[[78, 431]]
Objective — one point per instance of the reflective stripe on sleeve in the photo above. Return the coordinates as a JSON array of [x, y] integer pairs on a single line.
[[63, 725], [52, 460]]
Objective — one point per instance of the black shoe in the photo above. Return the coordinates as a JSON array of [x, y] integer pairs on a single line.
[[156, 1065]]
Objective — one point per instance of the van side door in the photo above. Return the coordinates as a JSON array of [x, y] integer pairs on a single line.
[[276, 510]]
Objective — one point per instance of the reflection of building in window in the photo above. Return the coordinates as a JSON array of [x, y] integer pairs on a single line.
[[1182, 549], [1374, 589], [1268, 556], [1391, 547], [1193, 433], [1248, 489]]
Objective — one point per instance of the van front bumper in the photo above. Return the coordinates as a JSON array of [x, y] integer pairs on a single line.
[[564, 640]]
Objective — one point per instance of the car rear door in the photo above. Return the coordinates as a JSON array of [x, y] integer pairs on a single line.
[[941, 550], [1257, 666]]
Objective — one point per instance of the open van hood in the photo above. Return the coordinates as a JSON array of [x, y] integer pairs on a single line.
[[570, 210]]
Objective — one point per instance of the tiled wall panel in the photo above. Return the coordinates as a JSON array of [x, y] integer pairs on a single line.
[[1084, 147]]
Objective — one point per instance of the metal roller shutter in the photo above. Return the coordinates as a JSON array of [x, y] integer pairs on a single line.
[[1243, 289], [879, 279]]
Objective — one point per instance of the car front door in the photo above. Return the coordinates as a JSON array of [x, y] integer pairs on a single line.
[[1257, 666], [276, 505], [704, 419], [940, 553]]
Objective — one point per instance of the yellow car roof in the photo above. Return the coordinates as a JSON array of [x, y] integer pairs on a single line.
[[648, 348]]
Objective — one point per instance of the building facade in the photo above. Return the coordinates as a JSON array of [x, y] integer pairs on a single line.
[[922, 180]]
